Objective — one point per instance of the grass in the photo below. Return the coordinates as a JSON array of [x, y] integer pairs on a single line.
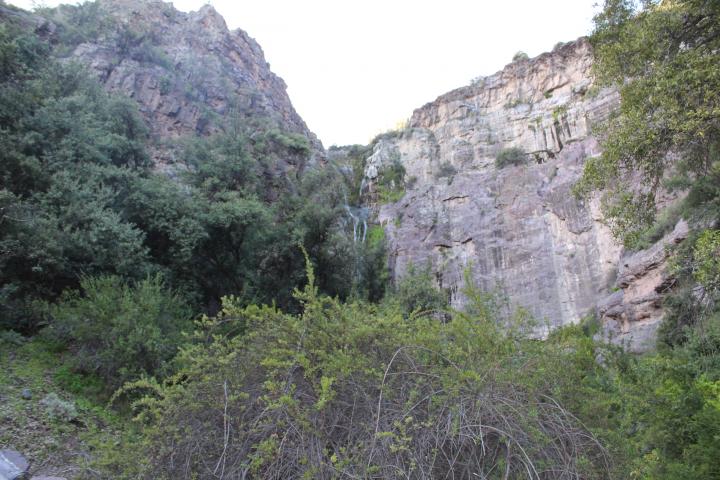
[[52, 446]]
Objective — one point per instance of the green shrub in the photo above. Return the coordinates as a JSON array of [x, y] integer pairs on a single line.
[[357, 391], [391, 182], [515, 102], [416, 292], [294, 142], [120, 331], [58, 409], [519, 56], [510, 156], [707, 261]]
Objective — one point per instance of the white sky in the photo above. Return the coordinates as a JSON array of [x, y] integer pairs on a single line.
[[357, 68]]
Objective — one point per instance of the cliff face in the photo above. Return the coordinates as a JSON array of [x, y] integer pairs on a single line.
[[518, 228], [188, 72]]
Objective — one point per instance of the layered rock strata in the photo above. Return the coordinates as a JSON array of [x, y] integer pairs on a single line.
[[517, 228]]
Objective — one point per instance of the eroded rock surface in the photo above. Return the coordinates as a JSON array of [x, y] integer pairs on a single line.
[[631, 315], [518, 228], [188, 72]]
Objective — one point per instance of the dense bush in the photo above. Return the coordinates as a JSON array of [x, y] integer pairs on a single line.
[[120, 331], [391, 181], [353, 390], [510, 156], [79, 197], [416, 292], [60, 127], [668, 126]]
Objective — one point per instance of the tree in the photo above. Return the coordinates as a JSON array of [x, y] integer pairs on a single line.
[[663, 57]]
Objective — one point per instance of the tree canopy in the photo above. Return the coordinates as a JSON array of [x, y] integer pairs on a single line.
[[662, 56]]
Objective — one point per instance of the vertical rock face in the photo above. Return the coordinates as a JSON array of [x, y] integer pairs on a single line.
[[519, 227], [188, 72]]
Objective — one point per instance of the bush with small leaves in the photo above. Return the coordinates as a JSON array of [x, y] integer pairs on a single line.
[[510, 156], [58, 409], [121, 331], [361, 391]]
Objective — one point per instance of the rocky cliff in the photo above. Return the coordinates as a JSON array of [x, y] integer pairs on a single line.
[[517, 227], [188, 72]]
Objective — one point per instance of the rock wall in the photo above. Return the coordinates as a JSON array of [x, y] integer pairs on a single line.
[[518, 228]]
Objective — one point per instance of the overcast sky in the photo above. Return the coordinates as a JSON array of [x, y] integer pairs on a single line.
[[357, 68]]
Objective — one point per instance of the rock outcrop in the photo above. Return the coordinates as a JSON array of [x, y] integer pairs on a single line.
[[631, 314], [518, 228], [188, 72]]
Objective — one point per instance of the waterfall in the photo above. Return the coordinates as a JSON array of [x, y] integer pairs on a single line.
[[359, 217], [363, 183]]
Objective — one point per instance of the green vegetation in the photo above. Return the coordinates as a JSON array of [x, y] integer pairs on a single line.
[[64, 420], [157, 328], [416, 293], [515, 102], [391, 182], [520, 56], [510, 156], [366, 391], [559, 112], [119, 332], [666, 135], [80, 199], [668, 127]]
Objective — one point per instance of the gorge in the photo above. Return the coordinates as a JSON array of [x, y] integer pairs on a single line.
[[520, 281]]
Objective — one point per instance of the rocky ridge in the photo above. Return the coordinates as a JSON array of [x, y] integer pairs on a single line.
[[188, 72]]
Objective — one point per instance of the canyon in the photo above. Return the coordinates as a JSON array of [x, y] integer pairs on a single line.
[[516, 229]]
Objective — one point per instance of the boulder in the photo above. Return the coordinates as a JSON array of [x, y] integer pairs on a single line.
[[13, 465]]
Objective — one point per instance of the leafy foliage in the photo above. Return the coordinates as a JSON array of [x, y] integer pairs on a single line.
[[669, 121], [510, 156], [391, 182], [322, 384], [415, 292], [350, 389], [60, 127], [119, 331], [79, 197]]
